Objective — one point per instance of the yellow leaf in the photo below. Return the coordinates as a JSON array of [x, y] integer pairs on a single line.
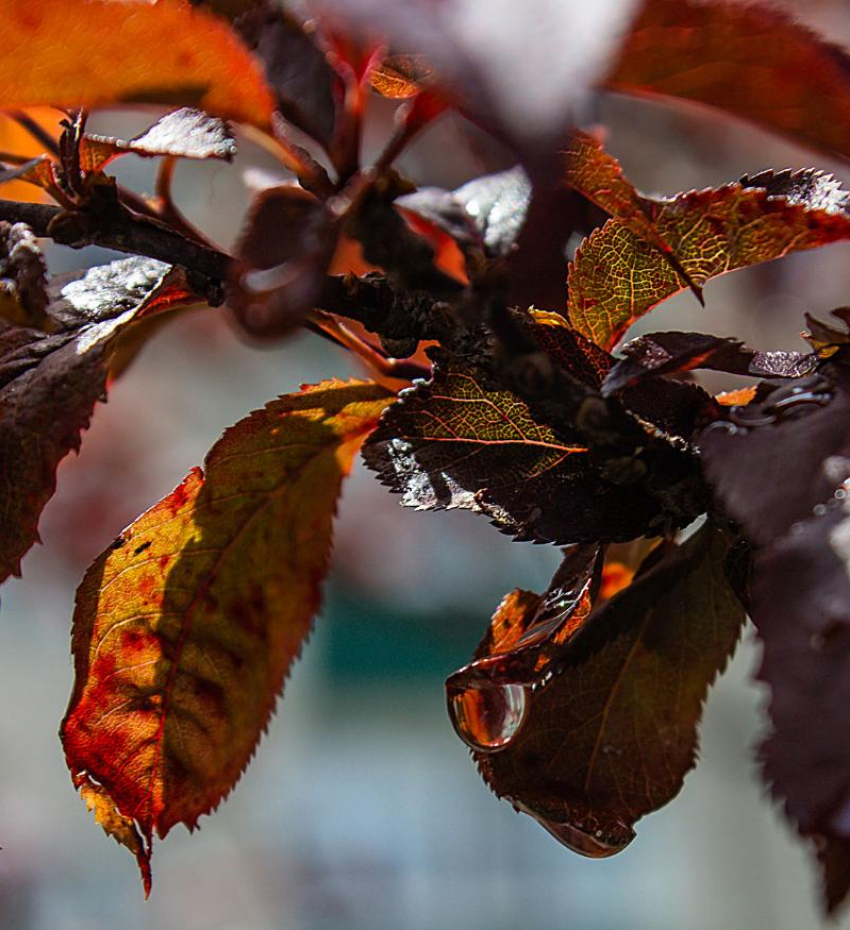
[[186, 627]]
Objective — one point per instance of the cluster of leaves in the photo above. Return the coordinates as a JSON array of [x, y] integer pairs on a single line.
[[678, 515]]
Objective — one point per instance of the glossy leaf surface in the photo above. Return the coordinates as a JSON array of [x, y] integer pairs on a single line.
[[461, 441], [49, 383], [673, 353], [610, 727], [186, 627], [185, 133], [773, 460]]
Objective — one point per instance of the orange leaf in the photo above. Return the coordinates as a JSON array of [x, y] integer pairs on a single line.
[[751, 61], [88, 53], [616, 276], [186, 627]]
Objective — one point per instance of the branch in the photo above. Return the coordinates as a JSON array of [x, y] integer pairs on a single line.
[[119, 230]]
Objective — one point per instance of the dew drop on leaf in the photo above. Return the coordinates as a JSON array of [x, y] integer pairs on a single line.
[[487, 716], [582, 839]]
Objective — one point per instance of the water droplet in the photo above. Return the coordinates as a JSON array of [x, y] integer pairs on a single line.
[[586, 842], [488, 716]]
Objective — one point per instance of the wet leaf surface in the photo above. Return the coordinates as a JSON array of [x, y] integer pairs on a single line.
[[674, 353], [184, 632], [608, 726], [185, 133], [773, 460], [49, 383]]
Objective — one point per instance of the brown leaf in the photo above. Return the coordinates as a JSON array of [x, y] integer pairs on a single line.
[[604, 730], [749, 60], [282, 256], [183, 629], [49, 383]]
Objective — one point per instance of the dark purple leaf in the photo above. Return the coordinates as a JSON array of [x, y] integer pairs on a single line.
[[673, 353], [281, 260], [296, 69], [771, 461], [49, 383], [595, 725], [801, 608]]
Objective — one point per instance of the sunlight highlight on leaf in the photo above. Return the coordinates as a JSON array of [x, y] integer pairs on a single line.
[[186, 627]]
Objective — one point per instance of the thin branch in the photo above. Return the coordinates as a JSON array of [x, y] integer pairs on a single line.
[[39, 133]]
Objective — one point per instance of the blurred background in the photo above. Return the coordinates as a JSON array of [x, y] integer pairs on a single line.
[[362, 810]]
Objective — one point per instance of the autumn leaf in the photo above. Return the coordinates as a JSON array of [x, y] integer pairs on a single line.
[[674, 353], [401, 76], [750, 60], [281, 258], [616, 276], [184, 133], [801, 609], [296, 69], [49, 383], [604, 730], [462, 441], [186, 626], [770, 462], [65, 55]]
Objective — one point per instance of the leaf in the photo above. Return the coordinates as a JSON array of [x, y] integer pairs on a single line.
[[519, 68], [461, 440], [122, 829], [295, 68], [801, 608], [282, 257], [401, 76], [606, 728], [184, 630], [487, 212], [751, 61], [49, 383], [673, 353], [775, 459], [185, 133], [616, 277], [23, 277], [67, 55]]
